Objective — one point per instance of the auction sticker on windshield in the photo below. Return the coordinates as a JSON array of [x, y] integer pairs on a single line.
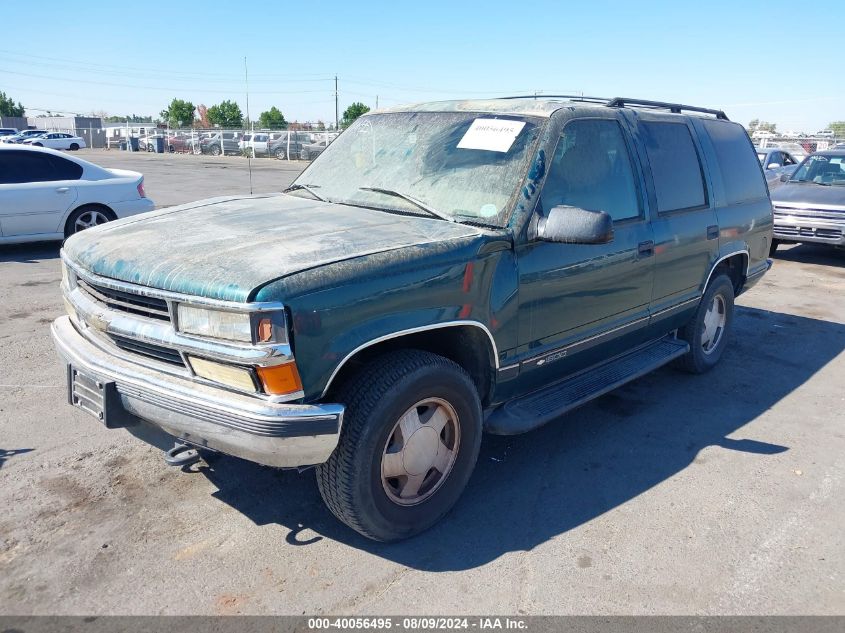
[[493, 135]]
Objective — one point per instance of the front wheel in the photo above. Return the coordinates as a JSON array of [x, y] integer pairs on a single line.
[[280, 154], [215, 150], [410, 439], [707, 332], [85, 218]]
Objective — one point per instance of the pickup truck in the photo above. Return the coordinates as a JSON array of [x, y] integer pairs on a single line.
[[438, 271]]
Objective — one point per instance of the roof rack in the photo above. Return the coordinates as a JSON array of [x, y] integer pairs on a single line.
[[621, 102]]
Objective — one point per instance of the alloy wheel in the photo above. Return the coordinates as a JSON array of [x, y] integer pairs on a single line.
[[713, 325], [420, 452]]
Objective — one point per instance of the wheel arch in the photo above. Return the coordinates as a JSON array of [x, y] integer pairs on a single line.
[[468, 343], [735, 265]]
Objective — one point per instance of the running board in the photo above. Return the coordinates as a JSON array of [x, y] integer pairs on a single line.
[[536, 409]]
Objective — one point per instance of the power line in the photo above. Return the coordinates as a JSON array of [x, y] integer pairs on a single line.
[[181, 73]]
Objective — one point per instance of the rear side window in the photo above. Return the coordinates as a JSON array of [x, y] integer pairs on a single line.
[[740, 171], [678, 181], [22, 167]]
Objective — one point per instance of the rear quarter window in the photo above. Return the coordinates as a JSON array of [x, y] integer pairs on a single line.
[[675, 166], [738, 165]]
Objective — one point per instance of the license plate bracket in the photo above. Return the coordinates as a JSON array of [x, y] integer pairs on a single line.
[[94, 396]]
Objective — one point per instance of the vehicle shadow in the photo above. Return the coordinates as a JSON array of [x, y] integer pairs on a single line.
[[30, 252], [811, 254], [531, 488]]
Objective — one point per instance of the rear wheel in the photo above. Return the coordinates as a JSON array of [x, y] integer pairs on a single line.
[[707, 332], [38, 144], [86, 217], [410, 440], [74, 147]]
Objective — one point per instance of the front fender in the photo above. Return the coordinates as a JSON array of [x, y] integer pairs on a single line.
[[330, 326]]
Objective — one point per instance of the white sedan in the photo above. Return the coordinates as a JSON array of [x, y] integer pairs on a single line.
[[57, 140], [47, 195]]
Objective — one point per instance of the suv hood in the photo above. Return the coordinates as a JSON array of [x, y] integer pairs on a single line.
[[226, 248], [808, 194]]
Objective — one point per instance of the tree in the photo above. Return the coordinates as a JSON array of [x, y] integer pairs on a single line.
[[353, 112], [838, 128], [226, 114], [132, 118], [203, 121], [179, 113], [8, 107], [763, 126], [272, 119]]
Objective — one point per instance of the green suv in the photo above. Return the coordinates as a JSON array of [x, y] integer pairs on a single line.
[[440, 270]]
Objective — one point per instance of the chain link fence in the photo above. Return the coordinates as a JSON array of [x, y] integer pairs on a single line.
[[217, 142]]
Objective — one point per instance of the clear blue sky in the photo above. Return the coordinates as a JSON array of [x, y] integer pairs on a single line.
[[778, 61]]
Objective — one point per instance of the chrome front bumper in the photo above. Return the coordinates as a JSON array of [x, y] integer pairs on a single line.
[[798, 225], [274, 434]]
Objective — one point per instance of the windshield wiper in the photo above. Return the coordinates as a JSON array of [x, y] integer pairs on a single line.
[[308, 188], [417, 203]]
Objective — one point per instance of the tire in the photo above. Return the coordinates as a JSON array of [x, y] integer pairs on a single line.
[[73, 147], [171, 149], [418, 388], [85, 217], [708, 338], [774, 247], [214, 150], [280, 153], [38, 144]]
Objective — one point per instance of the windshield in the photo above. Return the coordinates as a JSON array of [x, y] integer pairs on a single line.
[[466, 166], [822, 169]]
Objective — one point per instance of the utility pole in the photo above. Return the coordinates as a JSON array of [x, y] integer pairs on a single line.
[[336, 111], [376, 102]]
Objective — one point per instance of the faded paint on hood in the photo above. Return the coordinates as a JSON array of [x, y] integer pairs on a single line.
[[225, 248], [807, 194]]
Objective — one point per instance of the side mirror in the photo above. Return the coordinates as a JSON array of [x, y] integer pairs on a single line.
[[784, 177], [572, 225], [773, 166]]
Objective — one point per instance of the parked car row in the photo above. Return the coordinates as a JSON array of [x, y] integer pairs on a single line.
[[42, 138]]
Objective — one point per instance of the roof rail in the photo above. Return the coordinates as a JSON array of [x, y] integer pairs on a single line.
[[621, 102], [545, 96]]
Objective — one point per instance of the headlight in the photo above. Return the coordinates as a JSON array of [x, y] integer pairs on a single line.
[[234, 326], [248, 327], [68, 277]]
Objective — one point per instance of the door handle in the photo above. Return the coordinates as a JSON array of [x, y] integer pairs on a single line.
[[712, 231], [62, 189], [645, 249]]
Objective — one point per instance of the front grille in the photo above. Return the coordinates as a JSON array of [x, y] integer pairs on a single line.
[[806, 231], [150, 350], [122, 301], [817, 214]]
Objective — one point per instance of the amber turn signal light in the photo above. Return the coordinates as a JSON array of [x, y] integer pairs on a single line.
[[279, 380]]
